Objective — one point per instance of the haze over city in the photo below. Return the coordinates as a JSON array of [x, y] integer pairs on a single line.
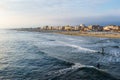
[[32, 13]]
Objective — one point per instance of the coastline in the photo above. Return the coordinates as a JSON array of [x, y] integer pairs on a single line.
[[78, 33], [92, 34]]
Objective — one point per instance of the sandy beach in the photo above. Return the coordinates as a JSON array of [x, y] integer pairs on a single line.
[[93, 34], [77, 33]]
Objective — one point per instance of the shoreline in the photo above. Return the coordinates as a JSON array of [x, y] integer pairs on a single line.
[[92, 34], [78, 33]]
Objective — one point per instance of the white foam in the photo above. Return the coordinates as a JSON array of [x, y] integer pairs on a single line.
[[110, 56], [77, 65], [77, 47], [74, 67]]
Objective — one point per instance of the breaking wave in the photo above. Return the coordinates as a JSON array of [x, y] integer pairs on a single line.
[[81, 72]]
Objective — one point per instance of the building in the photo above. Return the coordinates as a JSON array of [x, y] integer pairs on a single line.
[[77, 28], [95, 28], [82, 25], [45, 28], [85, 29], [111, 28], [68, 28]]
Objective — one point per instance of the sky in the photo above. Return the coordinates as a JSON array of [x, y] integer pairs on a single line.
[[35, 13]]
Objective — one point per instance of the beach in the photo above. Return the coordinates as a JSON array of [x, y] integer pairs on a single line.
[[99, 34], [92, 34]]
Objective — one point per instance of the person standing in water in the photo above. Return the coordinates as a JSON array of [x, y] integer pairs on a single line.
[[102, 52], [98, 66]]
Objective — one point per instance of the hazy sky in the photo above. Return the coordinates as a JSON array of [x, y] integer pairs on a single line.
[[27, 13]]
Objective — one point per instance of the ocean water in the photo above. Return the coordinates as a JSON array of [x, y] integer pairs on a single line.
[[48, 56]]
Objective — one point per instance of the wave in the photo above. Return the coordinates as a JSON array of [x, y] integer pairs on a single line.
[[110, 55], [77, 47], [81, 72]]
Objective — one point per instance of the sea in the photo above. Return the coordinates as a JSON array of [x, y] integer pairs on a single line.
[[49, 56]]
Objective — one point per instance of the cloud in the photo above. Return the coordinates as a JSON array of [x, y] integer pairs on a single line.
[[57, 8], [41, 12], [3, 8], [101, 20], [44, 5]]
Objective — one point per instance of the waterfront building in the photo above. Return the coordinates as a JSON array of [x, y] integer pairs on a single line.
[[95, 28], [111, 28], [68, 28]]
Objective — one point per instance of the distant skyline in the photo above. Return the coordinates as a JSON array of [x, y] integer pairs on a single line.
[[33, 13]]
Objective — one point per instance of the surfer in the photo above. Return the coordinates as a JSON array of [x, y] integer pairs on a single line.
[[102, 52], [98, 66]]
